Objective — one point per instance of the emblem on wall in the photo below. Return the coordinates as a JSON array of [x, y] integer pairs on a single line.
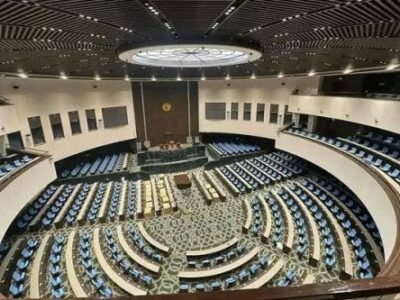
[[166, 106]]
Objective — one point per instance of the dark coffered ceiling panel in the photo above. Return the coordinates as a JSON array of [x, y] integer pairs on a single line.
[[82, 38]]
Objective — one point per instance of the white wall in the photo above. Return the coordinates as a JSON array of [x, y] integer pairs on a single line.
[[355, 177], [41, 97], [22, 189], [8, 119], [268, 91], [381, 113]]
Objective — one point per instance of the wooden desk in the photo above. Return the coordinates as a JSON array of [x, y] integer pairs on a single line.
[[122, 202], [212, 250], [288, 245], [125, 285], [211, 180], [76, 286], [249, 216], [222, 269], [139, 204], [202, 188], [82, 212], [125, 162], [151, 266], [156, 202], [38, 264], [229, 184], [347, 270], [150, 240], [315, 252], [267, 219], [265, 277]]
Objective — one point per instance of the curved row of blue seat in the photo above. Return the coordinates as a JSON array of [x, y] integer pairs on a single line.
[[254, 184], [352, 232], [94, 276], [229, 149], [271, 172], [353, 204], [115, 198], [302, 235], [241, 276], [285, 162], [143, 248], [287, 279], [96, 202], [233, 179], [256, 172], [257, 219], [77, 204], [33, 209], [10, 166], [277, 220], [386, 144], [55, 269], [218, 259], [127, 267], [324, 227], [19, 276], [131, 203], [276, 166], [55, 208], [104, 164]]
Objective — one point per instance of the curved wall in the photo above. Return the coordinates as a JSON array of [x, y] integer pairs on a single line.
[[29, 182], [41, 97], [267, 91], [354, 176], [381, 113]]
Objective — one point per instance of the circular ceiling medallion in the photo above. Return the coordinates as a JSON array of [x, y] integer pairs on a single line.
[[190, 55]]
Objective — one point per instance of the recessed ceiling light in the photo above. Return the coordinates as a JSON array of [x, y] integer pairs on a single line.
[[392, 67], [23, 75], [179, 78], [311, 73], [348, 70], [97, 77], [63, 76], [153, 78], [253, 76], [127, 78], [203, 77], [228, 77], [280, 75]]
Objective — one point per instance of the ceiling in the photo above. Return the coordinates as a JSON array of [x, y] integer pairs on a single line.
[[82, 38]]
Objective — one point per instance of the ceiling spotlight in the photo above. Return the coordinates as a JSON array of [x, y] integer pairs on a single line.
[[153, 78], [392, 67], [63, 76], [127, 78], [97, 77], [311, 73], [228, 77], [253, 76], [23, 75], [280, 75], [203, 77], [179, 78]]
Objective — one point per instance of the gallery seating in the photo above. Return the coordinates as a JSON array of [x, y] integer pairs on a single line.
[[13, 163], [225, 149]]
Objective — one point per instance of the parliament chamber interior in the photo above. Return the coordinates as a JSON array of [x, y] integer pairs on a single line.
[[200, 149]]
